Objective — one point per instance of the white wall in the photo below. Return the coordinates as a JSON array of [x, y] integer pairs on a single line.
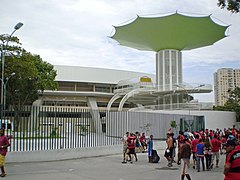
[[213, 119], [96, 75], [218, 119]]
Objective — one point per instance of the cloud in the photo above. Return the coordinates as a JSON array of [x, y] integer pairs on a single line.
[[75, 32]]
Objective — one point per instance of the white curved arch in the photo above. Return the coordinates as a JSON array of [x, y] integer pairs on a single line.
[[130, 94], [111, 101]]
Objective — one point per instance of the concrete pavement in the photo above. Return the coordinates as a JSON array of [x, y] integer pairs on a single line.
[[105, 168]]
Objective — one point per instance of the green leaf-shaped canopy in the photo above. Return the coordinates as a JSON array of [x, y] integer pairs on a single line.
[[175, 31]]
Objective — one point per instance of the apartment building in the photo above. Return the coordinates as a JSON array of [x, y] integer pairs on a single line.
[[225, 80]]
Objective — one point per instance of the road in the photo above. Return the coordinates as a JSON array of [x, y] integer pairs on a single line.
[[105, 168]]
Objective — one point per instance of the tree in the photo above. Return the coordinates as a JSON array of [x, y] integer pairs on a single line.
[[232, 104], [146, 128], [32, 77], [232, 5], [173, 125]]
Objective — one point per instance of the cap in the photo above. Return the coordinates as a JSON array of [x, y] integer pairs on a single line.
[[230, 143], [231, 136]]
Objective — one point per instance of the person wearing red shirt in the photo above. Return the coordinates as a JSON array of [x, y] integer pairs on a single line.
[[4, 143], [131, 143], [216, 146], [180, 140], [207, 132], [237, 147], [234, 131], [232, 163], [194, 149], [211, 134], [223, 140], [143, 142], [238, 142]]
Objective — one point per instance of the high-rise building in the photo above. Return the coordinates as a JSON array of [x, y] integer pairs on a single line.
[[225, 80]]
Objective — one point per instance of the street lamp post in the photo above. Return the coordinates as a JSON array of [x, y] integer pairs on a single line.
[[188, 92], [5, 89], [179, 86], [3, 49]]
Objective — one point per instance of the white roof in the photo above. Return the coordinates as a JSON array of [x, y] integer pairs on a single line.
[[95, 75]]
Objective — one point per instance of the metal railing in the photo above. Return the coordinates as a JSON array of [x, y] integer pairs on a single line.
[[48, 128], [45, 128], [176, 106], [187, 88]]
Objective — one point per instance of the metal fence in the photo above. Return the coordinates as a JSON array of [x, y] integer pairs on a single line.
[[46, 128]]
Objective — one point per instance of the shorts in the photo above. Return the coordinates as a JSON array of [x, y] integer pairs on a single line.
[[194, 156], [143, 144], [2, 160], [131, 150], [124, 148], [168, 153], [215, 154], [185, 166], [138, 144]]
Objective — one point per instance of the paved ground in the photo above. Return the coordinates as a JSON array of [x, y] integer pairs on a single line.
[[105, 168]]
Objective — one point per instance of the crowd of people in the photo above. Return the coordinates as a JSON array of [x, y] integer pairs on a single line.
[[136, 142], [203, 148]]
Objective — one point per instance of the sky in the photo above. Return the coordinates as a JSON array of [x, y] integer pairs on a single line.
[[76, 32]]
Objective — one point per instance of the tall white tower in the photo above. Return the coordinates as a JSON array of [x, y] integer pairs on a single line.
[[168, 69]]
